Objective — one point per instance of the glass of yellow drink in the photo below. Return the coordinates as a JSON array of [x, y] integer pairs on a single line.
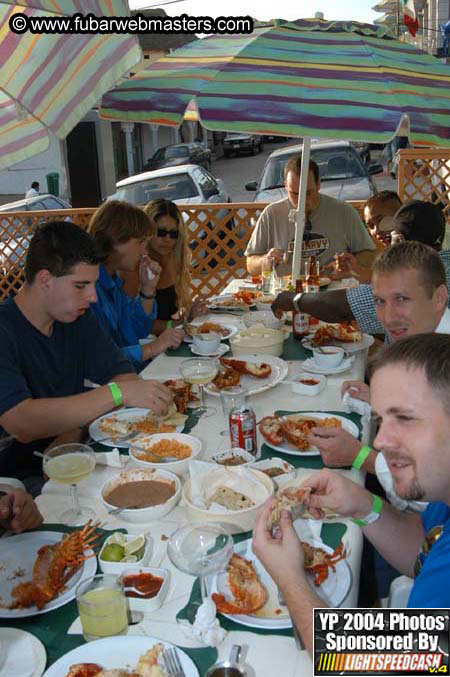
[[200, 371], [69, 464], [102, 606]]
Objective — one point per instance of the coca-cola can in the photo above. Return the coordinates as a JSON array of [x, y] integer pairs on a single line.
[[243, 429]]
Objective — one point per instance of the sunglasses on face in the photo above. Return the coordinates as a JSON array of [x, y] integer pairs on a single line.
[[173, 234]]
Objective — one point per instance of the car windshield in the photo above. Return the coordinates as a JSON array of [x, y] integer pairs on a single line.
[[177, 151], [172, 187], [334, 163]]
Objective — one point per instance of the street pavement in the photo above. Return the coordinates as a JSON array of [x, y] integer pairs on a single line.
[[239, 170]]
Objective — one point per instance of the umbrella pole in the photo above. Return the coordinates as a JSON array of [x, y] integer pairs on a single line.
[[300, 212]]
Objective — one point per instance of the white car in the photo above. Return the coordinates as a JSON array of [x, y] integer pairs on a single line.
[[342, 174], [185, 184]]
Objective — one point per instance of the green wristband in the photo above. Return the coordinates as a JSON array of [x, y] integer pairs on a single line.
[[116, 394], [361, 457], [169, 324], [375, 513]]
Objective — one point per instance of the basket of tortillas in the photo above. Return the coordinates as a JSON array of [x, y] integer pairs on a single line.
[[232, 495]]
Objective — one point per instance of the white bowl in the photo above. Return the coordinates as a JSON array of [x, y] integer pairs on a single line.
[[230, 453], [237, 520], [207, 343], [153, 603], [308, 389], [265, 317], [274, 462], [151, 513], [178, 467], [117, 568], [258, 339], [328, 356]]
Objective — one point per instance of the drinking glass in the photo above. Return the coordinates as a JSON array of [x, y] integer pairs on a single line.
[[267, 271], [235, 396], [200, 371], [102, 606], [69, 464], [200, 550]]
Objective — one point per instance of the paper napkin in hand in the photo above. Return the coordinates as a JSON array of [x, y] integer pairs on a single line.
[[353, 404]]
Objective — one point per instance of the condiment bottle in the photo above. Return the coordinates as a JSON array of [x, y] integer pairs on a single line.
[[300, 321], [312, 283]]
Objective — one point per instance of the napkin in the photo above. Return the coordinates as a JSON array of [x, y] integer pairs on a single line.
[[207, 477], [353, 404], [206, 627], [17, 652], [309, 530], [112, 458]]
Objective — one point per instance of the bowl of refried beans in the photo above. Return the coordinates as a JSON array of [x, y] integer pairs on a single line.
[[144, 495]]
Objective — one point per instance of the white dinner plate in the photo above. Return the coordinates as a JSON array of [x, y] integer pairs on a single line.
[[292, 450], [20, 552], [21, 654], [252, 384], [223, 348], [231, 330], [366, 342], [311, 365], [127, 415], [116, 652], [223, 302], [273, 616]]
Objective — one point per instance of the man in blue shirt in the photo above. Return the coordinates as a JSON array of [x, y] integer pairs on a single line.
[[50, 343], [410, 394]]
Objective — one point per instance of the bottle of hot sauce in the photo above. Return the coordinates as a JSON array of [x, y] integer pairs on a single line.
[[312, 283], [300, 321]]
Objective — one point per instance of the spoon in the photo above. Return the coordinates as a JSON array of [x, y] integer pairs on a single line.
[[153, 458]]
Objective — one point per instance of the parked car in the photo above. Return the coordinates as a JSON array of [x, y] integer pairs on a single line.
[[12, 249], [180, 154], [186, 184], [342, 174], [242, 143]]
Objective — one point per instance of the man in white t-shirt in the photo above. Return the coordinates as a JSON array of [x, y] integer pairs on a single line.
[[331, 226], [34, 190]]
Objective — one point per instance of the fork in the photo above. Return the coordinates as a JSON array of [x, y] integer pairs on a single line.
[[115, 439], [172, 663]]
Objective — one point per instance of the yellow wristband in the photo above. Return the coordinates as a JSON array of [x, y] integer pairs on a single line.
[[361, 457], [116, 394]]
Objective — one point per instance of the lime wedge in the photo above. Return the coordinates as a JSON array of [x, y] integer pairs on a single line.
[[113, 552], [134, 546], [130, 558], [118, 537]]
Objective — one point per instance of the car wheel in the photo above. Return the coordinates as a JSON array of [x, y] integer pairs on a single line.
[[253, 150], [261, 147]]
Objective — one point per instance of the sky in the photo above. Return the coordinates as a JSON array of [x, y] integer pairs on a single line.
[[358, 10]]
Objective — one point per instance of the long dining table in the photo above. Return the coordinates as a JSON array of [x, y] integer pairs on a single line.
[[264, 651]]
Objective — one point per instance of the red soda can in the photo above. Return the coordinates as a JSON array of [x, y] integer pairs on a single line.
[[243, 429]]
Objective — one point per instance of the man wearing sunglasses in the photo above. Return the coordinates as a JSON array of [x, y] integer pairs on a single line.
[[410, 393]]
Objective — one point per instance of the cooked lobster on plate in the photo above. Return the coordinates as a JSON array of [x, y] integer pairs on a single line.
[[261, 370], [345, 332], [276, 430], [247, 592], [182, 393], [54, 567]]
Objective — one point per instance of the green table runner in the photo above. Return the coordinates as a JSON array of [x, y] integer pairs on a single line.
[[331, 534], [52, 627], [299, 461]]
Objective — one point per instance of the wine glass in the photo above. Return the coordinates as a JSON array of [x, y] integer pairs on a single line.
[[236, 396], [69, 464], [200, 550], [199, 371]]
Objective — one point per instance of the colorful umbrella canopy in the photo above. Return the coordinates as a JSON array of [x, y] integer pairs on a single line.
[[50, 81], [311, 77]]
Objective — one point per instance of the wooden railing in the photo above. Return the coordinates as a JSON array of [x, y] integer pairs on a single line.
[[425, 175], [218, 237]]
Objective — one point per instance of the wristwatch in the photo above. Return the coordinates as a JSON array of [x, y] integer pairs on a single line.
[[296, 301]]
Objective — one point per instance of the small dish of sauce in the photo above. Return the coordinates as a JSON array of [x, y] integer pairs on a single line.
[[142, 585], [309, 381]]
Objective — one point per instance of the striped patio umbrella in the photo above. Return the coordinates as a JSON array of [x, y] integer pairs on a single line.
[[48, 82], [316, 78]]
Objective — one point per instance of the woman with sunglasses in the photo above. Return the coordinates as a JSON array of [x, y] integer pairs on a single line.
[[168, 246], [121, 231]]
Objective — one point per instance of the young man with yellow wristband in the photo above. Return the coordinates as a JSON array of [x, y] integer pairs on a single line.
[[50, 343], [410, 394]]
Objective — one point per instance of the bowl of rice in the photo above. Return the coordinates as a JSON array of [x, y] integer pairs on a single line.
[[150, 451]]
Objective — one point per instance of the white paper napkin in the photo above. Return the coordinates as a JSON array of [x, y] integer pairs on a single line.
[[353, 404], [206, 627], [112, 458], [18, 656]]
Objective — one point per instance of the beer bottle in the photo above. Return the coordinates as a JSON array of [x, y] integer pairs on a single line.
[[312, 283], [300, 321]]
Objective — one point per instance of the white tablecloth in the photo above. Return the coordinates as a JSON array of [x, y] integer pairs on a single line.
[[267, 654]]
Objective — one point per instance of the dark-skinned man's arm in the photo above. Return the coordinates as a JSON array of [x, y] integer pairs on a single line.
[[328, 306]]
